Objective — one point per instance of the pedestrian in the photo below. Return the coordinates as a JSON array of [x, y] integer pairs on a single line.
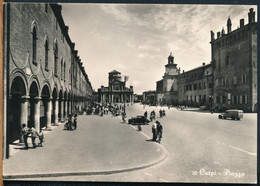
[[163, 113], [75, 121], [160, 112], [139, 127], [41, 137], [151, 116], [154, 130], [34, 134], [25, 133], [159, 131]]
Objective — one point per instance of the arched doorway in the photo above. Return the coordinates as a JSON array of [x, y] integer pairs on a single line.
[[65, 105], [45, 107], [54, 114], [33, 106], [15, 111], [61, 107]]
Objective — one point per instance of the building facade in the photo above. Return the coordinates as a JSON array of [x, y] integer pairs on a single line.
[[195, 87], [116, 92], [229, 81], [44, 79], [234, 58]]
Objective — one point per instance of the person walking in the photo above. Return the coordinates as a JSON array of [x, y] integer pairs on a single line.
[[75, 121], [159, 132], [25, 133], [41, 137], [154, 130], [34, 134]]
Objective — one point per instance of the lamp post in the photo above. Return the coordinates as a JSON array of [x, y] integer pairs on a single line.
[[125, 80]]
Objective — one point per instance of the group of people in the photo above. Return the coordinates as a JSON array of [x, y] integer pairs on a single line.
[[157, 131], [72, 122], [161, 113], [31, 132]]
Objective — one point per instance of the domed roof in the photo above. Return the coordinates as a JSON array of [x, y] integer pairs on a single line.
[[114, 72]]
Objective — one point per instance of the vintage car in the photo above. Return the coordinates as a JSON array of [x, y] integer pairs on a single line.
[[233, 114], [138, 120]]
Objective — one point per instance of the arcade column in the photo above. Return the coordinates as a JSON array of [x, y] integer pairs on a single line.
[[61, 109], [48, 113], [65, 109], [37, 113], [56, 112], [24, 110]]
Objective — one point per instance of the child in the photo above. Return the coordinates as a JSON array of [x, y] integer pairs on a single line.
[[41, 137]]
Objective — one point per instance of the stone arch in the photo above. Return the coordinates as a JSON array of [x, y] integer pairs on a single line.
[[34, 107], [45, 107], [61, 105], [55, 106], [17, 73], [34, 24], [35, 80], [17, 107]]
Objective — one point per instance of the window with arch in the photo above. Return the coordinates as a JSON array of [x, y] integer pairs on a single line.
[[61, 69], [64, 73], [34, 45], [55, 59], [46, 46]]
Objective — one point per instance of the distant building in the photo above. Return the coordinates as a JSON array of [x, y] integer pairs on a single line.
[[150, 97], [116, 92], [195, 86], [234, 59]]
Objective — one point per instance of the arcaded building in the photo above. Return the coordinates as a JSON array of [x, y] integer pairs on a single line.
[[234, 65], [116, 92], [44, 79]]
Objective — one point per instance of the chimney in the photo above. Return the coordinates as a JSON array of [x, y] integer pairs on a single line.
[[218, 35], [203, 64], [212, 35], [242, 21], [251, 16], [183, 71]]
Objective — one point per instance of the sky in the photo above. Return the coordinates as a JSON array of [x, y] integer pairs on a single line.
[[136, 39]]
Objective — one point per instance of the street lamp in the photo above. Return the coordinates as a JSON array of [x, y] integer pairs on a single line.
[[125, 80]]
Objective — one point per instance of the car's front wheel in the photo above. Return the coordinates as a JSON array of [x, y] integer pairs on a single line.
[[219, 117]]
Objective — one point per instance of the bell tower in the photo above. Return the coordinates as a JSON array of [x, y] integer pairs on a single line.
[[171, 68]]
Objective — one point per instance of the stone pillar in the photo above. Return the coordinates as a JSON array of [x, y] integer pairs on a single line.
[[69, 107], [48, 113], [24, 113], [61, 109], [122, 98], [65, 109], [37, 113], [24, 110], [56, 112], [112, 97]]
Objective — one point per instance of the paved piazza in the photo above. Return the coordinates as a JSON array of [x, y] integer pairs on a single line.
[[201, 148]]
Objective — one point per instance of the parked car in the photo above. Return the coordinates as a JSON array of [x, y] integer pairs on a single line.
[[233, 114], [138, 120]]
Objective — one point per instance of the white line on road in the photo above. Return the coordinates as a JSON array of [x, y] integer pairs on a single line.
[[141, 132], [148, 174], [163, 180], [250, 153]]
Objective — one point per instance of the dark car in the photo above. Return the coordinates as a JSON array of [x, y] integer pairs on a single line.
[[139, 120]]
